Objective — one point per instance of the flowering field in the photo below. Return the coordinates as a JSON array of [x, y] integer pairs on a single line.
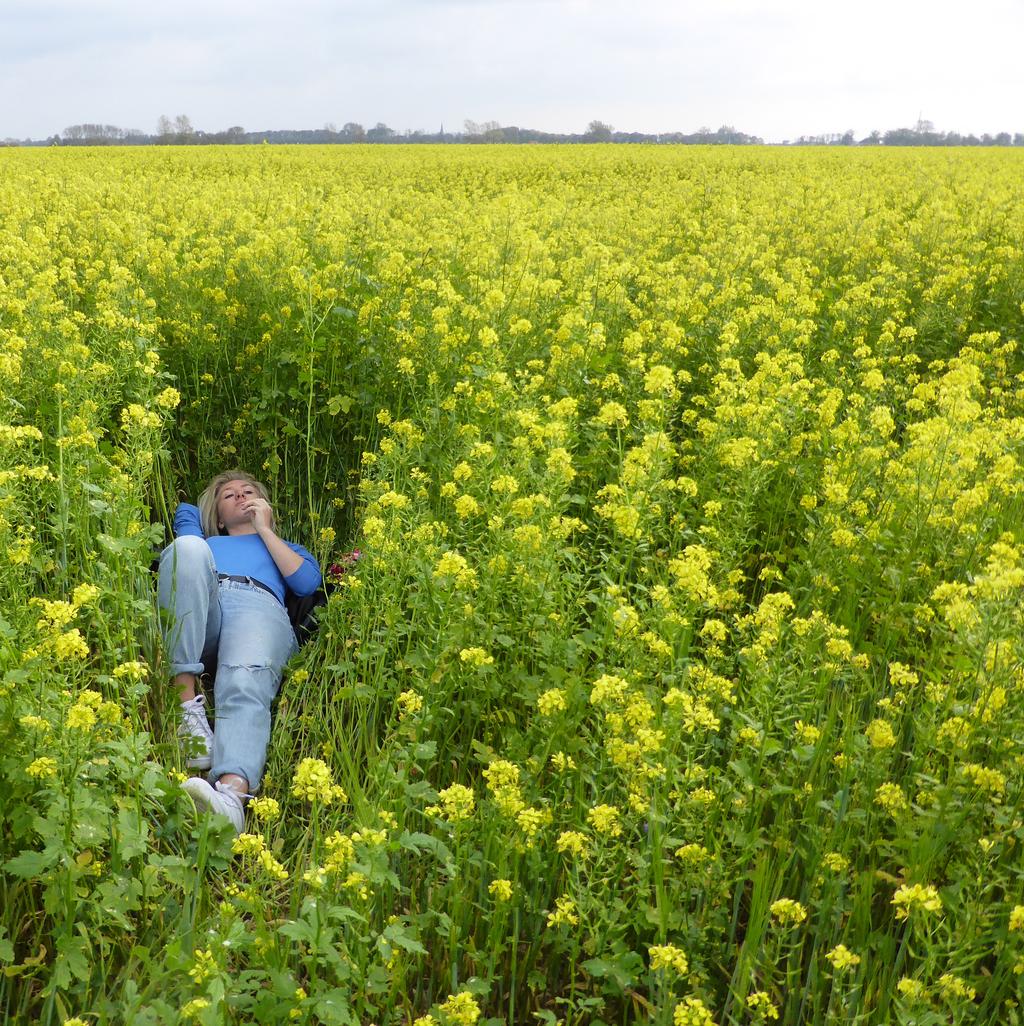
[[680, 680]]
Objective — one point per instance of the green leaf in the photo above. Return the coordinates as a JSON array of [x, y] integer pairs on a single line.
[[31, 863], [400, 936]]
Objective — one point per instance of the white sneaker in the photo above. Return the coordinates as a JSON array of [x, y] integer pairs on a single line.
[[217, 798], [195, 734]]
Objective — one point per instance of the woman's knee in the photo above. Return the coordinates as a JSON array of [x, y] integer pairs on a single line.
[[188, 547], [187, 550]]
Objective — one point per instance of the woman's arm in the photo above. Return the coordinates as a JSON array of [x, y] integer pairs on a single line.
[[187, 520], [287, 560], [299, 569]]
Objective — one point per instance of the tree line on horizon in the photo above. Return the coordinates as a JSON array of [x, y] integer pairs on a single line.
[[179, 131]]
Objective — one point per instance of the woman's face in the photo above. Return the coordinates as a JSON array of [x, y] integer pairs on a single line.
[[231, 502]]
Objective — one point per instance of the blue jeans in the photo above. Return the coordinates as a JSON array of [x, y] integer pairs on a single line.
[[246, 631]]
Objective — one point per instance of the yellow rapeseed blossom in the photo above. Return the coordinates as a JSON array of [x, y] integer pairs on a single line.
[[788, 912], [911, 897], [500, 890], [691, 1011], [312, 782], [71, 645], [667, 956], [880, 734], [476, 657], [551, 702], [168, 399], [564, 913], [460, 1010], [265, 809], [409, 702], [761, 1006], [842, 958], [43, 768], [605, 820], [457, 804], [84, 595]]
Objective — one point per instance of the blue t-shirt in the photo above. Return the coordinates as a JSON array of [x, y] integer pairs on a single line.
[[247, 556]]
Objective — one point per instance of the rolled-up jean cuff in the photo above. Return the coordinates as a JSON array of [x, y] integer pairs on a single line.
[[193, 668]]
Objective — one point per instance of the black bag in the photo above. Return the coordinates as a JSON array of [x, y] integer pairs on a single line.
[[300, 611]]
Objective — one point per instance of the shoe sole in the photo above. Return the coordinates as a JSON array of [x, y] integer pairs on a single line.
[[203, 762]]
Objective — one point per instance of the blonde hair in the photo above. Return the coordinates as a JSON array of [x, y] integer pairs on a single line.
[[208, 500]]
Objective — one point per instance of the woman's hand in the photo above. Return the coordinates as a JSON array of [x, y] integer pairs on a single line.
[[259, 512]]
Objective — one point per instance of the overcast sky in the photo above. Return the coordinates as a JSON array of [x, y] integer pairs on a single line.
[[773, 68]]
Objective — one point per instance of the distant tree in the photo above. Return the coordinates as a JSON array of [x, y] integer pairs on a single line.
[[353, 131], [598, 131], [164, 127], [380, 133], [183, 127], [235, 134]]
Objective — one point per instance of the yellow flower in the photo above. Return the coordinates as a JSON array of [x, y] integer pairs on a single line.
[[612, 414], [572, 842], [476, 657], [892, 799], [551, 701], [788, 912], [985, 779], [168, 399], [842, 958], [836, 862], [953, 987], [133, 670], [913, 896], [266, 810], [692, 1011], [84, 594], [880, 734], [460, 1009], [81, 717], [807, 733], [1017, 918], [43, 768], [313, 783], [134, 415], [915, 990], [500, 889], [760, 1005], [659, 380], [409, 702], [191, 1009], [204, 966], [667, 956], [457, 804], [605, 820], [71, 645], [564, 914], [466, 506]]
